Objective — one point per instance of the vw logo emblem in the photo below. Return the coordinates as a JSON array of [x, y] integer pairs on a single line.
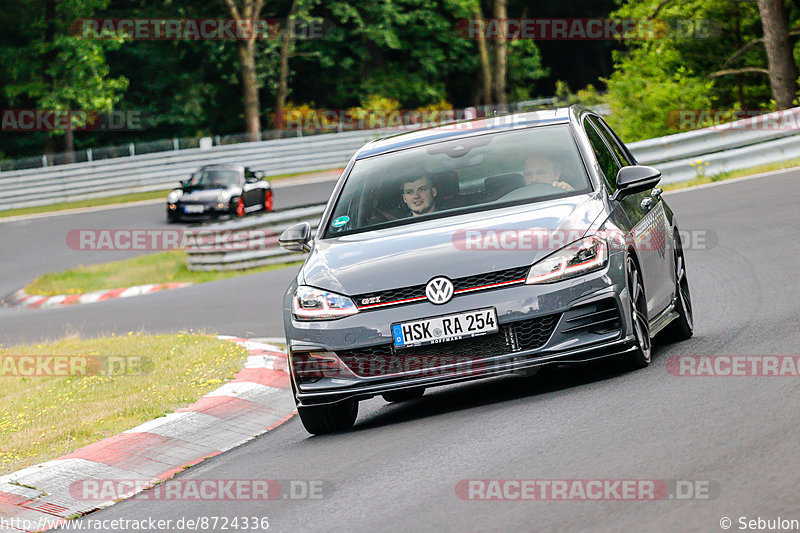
[[439, 290]]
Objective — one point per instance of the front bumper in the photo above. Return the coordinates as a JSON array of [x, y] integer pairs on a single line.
[[210, 210], [565, 302]]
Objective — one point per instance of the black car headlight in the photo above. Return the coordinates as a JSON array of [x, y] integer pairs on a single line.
[[580, 257], [309, 303]]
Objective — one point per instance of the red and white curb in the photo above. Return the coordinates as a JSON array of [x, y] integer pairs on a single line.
[[254, 402], [33, 301]]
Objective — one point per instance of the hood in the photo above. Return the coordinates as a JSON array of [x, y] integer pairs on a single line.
[[204, 195], [456, 246]]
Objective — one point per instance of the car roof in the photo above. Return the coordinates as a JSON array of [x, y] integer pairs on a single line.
[[227, 166], [465, 128]]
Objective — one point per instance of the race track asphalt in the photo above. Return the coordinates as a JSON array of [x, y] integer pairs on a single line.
[[397, 470]]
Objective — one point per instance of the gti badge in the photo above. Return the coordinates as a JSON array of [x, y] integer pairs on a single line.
[[439, 290]]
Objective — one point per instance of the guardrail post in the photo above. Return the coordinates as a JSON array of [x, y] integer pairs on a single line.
[[88, 154], [175, 144], [44, 160], [131, 149]]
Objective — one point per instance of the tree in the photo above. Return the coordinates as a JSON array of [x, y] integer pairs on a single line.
[[500, 17], [782, 69], [61, 71], [245, 12]]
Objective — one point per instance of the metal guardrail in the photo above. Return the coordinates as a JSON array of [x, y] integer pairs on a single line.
[[729, 147], [680, 157], [97, 179], [248, 243]]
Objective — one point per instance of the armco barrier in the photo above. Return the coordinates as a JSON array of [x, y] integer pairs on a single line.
[[727, 147], [97, 179], [236, 232], [680, 157]]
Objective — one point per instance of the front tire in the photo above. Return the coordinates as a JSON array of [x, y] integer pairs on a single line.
[[641, 356], [322, 419]]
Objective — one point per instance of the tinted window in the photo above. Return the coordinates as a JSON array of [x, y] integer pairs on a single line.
[[208, 179], [470, 174], [612, 141], [608, 165]]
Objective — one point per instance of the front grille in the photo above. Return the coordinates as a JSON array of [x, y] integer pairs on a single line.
[[513, 337], [475, 282]]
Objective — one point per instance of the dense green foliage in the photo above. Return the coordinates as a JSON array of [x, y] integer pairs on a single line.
[[408, 52]]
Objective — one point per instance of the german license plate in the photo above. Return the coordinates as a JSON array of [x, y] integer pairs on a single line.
[[193, 208], [445, 328]]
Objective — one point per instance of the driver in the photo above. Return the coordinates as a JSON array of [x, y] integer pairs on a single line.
[[420, 196], [542, 169]]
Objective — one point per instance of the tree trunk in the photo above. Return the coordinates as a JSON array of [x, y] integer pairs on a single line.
[[483, 52], [500, 54], [247, 58], [244, 12], [283, 77], [782, 69]]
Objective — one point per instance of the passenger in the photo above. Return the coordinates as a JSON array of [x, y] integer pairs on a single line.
[[542, 169], [420, 196]]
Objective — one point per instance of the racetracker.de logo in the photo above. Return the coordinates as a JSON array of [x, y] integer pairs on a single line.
[[170, 239], [734, 119], [729, 366], [48, 366], [201, 29], [539, 239], [585, 29], [585, 489], [199, 489], [24, 120]]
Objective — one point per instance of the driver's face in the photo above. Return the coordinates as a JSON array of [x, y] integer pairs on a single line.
[[419, 196], [541, 170]]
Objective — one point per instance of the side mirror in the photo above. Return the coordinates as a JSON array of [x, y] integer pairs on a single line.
[[631, 180], [296, 238]]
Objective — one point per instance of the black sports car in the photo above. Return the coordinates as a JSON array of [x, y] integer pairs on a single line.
[[219, 190]]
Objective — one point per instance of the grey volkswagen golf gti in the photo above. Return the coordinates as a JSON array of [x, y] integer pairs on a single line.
[[477, 249]]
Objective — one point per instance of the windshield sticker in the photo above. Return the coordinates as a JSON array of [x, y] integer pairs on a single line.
[[341, 221]]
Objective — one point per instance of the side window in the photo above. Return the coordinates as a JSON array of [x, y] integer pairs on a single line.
[[613, 141], [605, 158]]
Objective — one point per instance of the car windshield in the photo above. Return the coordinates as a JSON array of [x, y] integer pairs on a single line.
[[463, 175], [210, 179]]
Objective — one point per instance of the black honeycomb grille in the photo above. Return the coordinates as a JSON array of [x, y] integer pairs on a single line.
[[513, 337]]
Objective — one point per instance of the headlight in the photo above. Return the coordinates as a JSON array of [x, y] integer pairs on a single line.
[[573, 260], [173, 196], [223, 197], [315, 304]]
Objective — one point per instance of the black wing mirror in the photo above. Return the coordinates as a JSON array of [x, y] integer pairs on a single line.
[[296, 238], [631, 180]]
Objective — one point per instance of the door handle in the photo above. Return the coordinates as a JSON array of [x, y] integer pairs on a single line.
[[647, 202]]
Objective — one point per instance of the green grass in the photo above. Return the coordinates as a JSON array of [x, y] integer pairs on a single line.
[[701, 180], [118, 199], [45, 417], [161, 267]]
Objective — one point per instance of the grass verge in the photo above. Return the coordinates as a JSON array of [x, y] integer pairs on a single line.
[[45, 417], [160, 267], [118, 199], [94, 202], [701, 180]]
